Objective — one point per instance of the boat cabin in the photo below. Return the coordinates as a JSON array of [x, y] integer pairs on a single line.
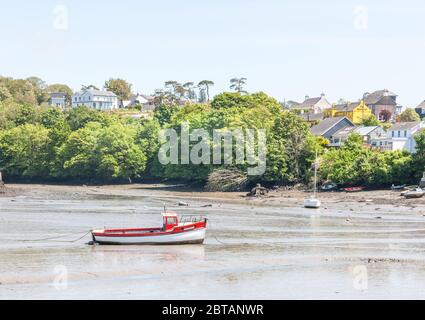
[[170, 219]]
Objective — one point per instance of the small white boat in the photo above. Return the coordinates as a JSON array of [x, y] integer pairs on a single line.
[[416, 193], [188, 230], [313, 202]]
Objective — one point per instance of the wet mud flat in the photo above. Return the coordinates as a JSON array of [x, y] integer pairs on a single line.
[[363, 246]]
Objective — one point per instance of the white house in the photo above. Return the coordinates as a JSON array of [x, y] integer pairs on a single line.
[[399, 137], [96, 99], [58, 99], [144, 100], [314, 105], [368, 135]]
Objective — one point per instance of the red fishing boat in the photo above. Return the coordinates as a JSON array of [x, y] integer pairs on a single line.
[[187, 230], [354, 189]]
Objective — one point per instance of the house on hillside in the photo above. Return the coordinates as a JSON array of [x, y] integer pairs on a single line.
[[357, 112], [57, 99], [147, 102], [420, 110], [312, 105], [367, 133], [313, 118], [329, 126], [399, 137], [290, 104], [381, 102], [96, 99]]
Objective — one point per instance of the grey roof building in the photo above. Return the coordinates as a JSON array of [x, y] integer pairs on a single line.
[[381, 100], [329, 126], [420, 109], [314, 105]]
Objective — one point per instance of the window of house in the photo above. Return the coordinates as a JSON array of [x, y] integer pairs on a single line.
[[405, 133], [392, 134], [94, 104]]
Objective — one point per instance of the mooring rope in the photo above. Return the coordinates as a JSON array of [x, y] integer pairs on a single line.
[[53, 239]]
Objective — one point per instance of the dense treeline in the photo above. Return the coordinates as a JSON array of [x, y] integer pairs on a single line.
[[41, 142]]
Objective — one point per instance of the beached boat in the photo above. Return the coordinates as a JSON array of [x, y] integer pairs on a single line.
[[353, 189], [330, 186], [187, 230], [313, 202], [416, 193], [398, 188]]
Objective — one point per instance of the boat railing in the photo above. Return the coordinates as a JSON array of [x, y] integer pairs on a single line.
[[191, 219]]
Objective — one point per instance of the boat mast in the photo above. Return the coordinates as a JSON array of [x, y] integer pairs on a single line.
[[315, 176]]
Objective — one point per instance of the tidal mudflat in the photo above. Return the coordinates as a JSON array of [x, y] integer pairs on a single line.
[[365, 246]]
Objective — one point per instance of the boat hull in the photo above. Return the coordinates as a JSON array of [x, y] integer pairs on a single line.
[[195, 236], [414, 195], [312, 204]]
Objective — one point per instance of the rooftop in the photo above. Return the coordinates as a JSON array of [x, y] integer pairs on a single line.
[[364, 131], [98, 93], [344, 132], [313, 116], [422, 105], [405, 125], [376, 96], [58, 95], [310, 102], [347, 106], [327, 124]]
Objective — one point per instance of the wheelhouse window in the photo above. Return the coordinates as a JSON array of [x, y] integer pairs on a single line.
[[172, 220]]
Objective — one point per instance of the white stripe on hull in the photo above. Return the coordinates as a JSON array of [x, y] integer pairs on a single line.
[[193, 236]]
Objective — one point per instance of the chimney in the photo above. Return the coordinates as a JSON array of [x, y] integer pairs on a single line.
[[307, 97], [322, 94]]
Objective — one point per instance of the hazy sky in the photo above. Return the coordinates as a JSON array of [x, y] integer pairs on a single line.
[[286, 48]]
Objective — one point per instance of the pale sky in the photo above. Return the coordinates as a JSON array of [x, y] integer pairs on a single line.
[[286, 48]]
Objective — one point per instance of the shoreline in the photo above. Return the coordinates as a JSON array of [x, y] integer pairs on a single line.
[[275, 198]]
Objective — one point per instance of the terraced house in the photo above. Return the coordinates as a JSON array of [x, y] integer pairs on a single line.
[[357, 112], [96, 99], [382, 102], [315, 105], [401, 136]]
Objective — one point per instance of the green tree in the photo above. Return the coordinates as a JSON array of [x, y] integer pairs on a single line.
[[291, 149], [371, 121], [206, 85], [172, 85], [39, 89], [89, 87], [4, 94], [238, 84], [164, 113], [26, 114], [24, 151], [103, 153], [22, 91], [190, 91], [409, 115], [51, 117], [78, 117], [120, 87]]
